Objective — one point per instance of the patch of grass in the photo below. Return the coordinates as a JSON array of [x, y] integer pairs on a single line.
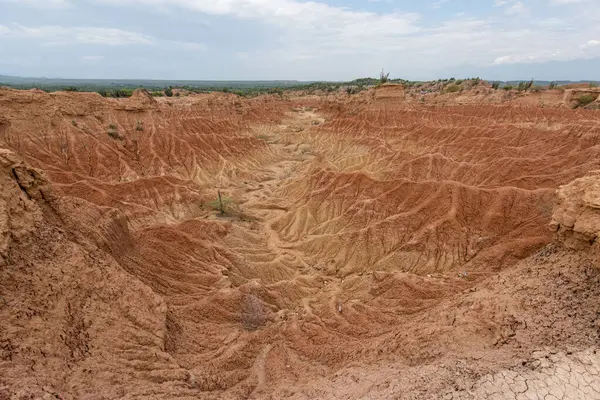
[[263, 137]]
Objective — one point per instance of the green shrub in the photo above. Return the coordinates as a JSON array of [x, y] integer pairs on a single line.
[[453, 88], [495, 85], [383, 77], [113, 133], [585, 99], [169, 92], [508, 87], [221, 204], [553, 85]]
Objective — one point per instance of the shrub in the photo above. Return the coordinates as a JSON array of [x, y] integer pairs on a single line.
[[459, 82], [495, 85], [74, 123], [113, 133], [508, 87], [169, 92], [71, 89], [553, 85], [585, 99], [453, 88], [221, 204], [139, 126], [383, 77]]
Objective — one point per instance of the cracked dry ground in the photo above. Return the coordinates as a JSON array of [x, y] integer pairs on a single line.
[[371, 249]]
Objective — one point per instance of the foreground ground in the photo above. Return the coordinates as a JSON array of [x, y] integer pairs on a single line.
[[372, 247]]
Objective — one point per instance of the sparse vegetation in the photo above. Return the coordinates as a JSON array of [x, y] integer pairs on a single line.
[[453, 88], [169, 92], [495, 85], [553, 85], [221, 204], [139, 126], [383, 77], [585, 99], [508, 87], [113, 132], [74, 123]]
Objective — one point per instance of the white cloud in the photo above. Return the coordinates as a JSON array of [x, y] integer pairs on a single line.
[[54, 35], [590, 43], [517, 8]]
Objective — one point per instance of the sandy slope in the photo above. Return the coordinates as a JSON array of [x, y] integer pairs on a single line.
[[373, 247]]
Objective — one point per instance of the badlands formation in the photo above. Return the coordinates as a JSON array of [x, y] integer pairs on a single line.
[[384, 245]]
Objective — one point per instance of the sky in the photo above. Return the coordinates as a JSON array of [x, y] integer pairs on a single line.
[[300, 40]]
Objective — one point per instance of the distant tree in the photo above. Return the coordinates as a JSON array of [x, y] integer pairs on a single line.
[[495, 85], [169, 92], [553, 85]]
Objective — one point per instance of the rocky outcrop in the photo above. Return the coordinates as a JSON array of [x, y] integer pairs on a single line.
[[576, 217]]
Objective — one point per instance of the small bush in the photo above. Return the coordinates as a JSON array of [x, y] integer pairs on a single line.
[[585, 99], [169, 92], [113, 133], [74, 123], [139, 126], [508, 87], [453, 88], [459, 82], [495, 85], [221, 204], [553, 85], [383, 77]]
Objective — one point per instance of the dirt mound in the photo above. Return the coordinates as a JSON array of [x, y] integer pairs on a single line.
[[368, 246]]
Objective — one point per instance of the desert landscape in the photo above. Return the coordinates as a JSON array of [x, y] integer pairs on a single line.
[[395, 243]]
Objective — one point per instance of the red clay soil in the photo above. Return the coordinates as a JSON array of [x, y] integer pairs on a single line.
[[372, 246]]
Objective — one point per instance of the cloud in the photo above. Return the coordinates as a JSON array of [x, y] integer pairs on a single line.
[[590, 43], [58, 35]]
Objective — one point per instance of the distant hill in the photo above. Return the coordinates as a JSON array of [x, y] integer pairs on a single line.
[[146, 83]]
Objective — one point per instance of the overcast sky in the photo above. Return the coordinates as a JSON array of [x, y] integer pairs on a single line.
[[303, 40]]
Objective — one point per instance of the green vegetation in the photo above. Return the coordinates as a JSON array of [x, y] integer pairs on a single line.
[[585, 99], [383, 77], [507, 87], [221, 204], [553, 85], [169, 92], [495, 85], [113, 132], [74, 123], [453, 88]]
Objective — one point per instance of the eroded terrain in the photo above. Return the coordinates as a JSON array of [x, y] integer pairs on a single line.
[[371, 247]]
